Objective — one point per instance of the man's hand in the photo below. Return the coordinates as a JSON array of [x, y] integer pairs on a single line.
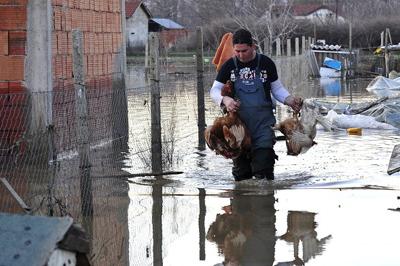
[[294, 102], [230, 104]]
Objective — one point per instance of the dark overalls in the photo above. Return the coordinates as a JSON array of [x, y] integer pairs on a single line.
[[254, 93]]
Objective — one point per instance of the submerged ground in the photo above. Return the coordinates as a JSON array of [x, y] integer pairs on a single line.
[[334, 205]]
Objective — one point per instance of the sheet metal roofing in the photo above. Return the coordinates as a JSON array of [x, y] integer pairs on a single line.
[[167, 23], [29, 240]]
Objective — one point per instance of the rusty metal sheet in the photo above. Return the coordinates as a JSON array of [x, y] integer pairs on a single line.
[[29, 240]]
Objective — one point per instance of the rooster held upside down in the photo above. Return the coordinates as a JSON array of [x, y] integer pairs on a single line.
[[300, 133], [228, 135]]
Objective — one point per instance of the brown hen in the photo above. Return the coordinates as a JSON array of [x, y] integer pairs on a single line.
[[228, 136], [300, 133]]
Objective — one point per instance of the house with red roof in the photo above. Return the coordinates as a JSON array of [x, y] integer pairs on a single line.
[[317, 13], [137, 24]]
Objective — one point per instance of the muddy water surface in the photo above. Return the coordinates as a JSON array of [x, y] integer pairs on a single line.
[[334, 205]]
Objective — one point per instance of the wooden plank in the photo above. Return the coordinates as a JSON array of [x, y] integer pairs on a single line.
[[394, 163], [15, 195]]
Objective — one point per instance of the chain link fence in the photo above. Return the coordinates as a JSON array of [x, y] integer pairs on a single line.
[[41, 148]]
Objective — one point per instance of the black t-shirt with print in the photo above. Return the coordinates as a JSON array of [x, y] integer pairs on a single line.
[[267, 68]]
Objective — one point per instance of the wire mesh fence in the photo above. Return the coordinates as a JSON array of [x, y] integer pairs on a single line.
[[41, 147]]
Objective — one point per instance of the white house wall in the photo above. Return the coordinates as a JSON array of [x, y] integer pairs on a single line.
[[321, 16], [137, 27]]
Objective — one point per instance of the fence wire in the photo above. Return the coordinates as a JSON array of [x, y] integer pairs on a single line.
[[40, 147]]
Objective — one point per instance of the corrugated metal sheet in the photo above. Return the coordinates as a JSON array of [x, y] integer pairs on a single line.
[[29, 240], [167, 23]]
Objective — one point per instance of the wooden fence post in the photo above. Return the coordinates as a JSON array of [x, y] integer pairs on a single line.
[[200, 89], [82, 126], [289, 47], [387, 55], [278, 47], [296, 46], [154, 75], [303, 44]]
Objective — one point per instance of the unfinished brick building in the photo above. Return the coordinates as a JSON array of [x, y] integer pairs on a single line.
[[38, 113], [36, 66]]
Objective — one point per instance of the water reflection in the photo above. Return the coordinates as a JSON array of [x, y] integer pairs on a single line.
[[301, 228], [245, 232], [135, 76], [331, 86]]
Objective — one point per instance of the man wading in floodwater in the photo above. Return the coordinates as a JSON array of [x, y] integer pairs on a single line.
[[254, 77]]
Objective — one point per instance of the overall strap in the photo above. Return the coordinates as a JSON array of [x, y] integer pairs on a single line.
[[258, 62], [236, 63]]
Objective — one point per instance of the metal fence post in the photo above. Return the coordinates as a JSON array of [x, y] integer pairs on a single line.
[[156, 151], [200, 88], [82, 127]]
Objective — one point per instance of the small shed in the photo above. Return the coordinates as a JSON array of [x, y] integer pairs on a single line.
[[38, 241], [170, 31], [137, 24]]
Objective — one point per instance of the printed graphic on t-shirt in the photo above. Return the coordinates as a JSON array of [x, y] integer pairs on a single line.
[[247, 75], [263, 75]]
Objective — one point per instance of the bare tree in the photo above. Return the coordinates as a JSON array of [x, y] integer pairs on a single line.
[[267, 20]]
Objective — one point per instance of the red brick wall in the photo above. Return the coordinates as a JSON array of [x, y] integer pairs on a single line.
[[12, 55], [100, 23]]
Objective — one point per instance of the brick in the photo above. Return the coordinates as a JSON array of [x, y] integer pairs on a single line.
[[16, 42], [57, 2], [92, 2], [96, 5], [105, 67], [13, 18], [14, 69], [54, 43], [69, 43], [85, 4], [3, 86], [68, 66], [110, 63], [57, 18], [12, 119], [100, 42], [18, 94], [74, 19], [62, 42], [3, 93], [103, 21], [3, 42], [67, 20], [13, 2], [89, 66], [58, 66]]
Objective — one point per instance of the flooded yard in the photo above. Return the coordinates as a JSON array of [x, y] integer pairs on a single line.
[[334, 205]]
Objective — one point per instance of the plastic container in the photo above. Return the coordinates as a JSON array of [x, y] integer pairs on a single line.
[[354, 131]]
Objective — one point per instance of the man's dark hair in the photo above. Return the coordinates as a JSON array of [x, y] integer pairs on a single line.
[[242, 36]]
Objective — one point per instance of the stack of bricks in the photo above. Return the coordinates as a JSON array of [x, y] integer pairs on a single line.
[[100, 24], [12, 55]]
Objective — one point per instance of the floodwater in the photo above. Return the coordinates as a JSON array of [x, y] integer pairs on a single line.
[[333, 205]]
